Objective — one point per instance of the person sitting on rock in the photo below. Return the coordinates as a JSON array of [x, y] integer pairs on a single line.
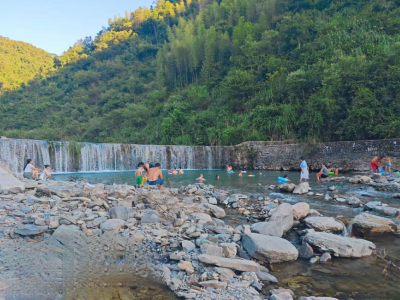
[[30, 172], [323, 173], [46, 174]]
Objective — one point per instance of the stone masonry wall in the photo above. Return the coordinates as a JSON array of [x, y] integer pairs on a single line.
[[347, 156]]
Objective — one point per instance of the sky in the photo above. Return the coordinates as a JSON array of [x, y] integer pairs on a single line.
[[55, 25]]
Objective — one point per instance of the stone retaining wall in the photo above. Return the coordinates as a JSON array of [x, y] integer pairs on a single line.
[[347, 156]]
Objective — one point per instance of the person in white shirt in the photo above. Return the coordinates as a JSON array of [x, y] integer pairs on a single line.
[[30, 172], [46, 173]]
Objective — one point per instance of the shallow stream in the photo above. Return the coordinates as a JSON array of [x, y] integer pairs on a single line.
[[364, 278]]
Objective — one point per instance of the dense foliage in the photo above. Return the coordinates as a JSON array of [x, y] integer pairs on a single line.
[[222, 72], [21, 62]]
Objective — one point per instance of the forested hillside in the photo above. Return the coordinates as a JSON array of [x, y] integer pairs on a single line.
[[21, 62], [223, 72]]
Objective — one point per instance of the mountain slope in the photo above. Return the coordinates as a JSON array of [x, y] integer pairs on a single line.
[[223, 72], [21, 62]]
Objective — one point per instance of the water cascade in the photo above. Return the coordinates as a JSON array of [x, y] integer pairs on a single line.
[[90, 157]]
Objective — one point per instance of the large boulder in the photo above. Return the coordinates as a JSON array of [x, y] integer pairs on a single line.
[[271, 228], [302, 188], [230, 263], [287, 187], [121, 212], [202, 217], [60, 191], [270, 248], [379, 178], [96, 191], [70, 236], [338, 245], [387, 211], [300, 210], [366, 224], [112, 225], [217, 211], [149, 216], [324, 223], [283, 216], [30, 229]]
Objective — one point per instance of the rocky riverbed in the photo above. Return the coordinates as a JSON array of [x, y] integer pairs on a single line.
[[71, 240]]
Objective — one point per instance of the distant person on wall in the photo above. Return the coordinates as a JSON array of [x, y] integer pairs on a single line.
[[46, 174], [139, 175], [323, 173], [175, 172], [180, 171], [156, 177], [30, 172], [304, 169], [375, 163]]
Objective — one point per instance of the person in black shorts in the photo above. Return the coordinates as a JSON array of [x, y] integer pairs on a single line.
[[323, 173]]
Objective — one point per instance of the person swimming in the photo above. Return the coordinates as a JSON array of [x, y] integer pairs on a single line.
[[201, 178], [217, 177], [250, 174], [284, 179]]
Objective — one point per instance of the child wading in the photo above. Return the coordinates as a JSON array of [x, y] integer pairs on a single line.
[[139, 175]]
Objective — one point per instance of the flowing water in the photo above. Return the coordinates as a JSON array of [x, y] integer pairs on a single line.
[[344, 278]]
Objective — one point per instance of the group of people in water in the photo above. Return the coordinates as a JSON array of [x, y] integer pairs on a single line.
[[150, 174], [382, 164], [32, 173]]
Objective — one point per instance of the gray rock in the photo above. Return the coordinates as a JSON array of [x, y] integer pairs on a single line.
[[281, 296], [327, 197], [354, 201], [96, 222], [338, 245], [324, 224], [217, 211], [317, 298], [149, 216], [215, 284], [200, 217], [267, 228], [60, 191], [270, 248], [188, 246], [15, 190], [265, 276], [283, 216], [287, 187], [53, 222], [30, 229], [112, 225], [306, 251], [26, 209], [331, 188], [379, 178], [300, 210], [314, 260], [212, 200], [325, 257], [387, 211], [366, 224], [314, 213], [210, 249], [371, 205], [121, 212], [230, 263], [70, 236], [302, 188]]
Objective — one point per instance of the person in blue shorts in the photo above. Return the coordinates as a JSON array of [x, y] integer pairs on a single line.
[[155, 176]]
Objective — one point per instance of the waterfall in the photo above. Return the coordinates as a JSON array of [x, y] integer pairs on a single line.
[[91, 157]]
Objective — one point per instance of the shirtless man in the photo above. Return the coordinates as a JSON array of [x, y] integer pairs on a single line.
[[375, 163], [174, 172], [180, 171], [155, 176]]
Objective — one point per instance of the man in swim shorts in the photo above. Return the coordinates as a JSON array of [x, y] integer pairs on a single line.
[[155, 176], [375, 162]]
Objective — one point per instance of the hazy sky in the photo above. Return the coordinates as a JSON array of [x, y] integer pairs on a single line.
[[55, 25]]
